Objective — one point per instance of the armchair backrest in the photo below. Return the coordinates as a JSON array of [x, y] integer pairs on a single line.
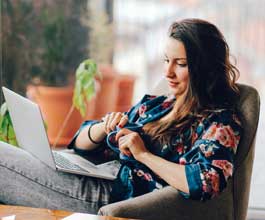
[[249, 109]]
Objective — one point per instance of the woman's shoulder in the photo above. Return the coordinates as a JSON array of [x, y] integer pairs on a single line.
[[222, 116]]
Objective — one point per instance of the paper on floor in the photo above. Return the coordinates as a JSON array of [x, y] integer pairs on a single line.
[[11, 217], [81, 216]]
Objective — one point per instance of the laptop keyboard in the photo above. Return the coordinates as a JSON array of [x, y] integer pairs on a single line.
[[65, 163]]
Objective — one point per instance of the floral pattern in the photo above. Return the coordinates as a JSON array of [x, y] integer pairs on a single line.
[[182, 161], [208, 149], [178, 145], [166, 104], [224, 134], [226, 167], [145, 176], [210, 182], [141, 111]]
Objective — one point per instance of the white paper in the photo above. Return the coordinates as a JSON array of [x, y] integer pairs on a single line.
[[11, 217], [81, 216]]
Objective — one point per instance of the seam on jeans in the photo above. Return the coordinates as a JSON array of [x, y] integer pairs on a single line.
[[55, 190]]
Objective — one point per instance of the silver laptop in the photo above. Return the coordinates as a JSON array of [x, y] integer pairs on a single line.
[[32, 137]]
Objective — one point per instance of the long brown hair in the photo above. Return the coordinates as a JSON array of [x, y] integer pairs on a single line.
[[212, 78]]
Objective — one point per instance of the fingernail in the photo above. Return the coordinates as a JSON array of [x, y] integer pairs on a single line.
[[128, 154]]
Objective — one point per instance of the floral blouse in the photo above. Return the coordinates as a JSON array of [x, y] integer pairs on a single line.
[[207, 149]]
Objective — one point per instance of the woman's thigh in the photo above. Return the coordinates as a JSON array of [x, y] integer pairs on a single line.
[[25, 180]]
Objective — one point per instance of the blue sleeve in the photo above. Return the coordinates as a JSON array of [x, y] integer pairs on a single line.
[[210, 162]]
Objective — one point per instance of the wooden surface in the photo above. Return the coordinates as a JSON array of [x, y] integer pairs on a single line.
[[27, 213]]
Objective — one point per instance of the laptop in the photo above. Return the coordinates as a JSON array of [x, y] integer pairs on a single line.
[[31, 136]]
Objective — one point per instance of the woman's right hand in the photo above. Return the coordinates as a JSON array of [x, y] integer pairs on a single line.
[[113, 119]]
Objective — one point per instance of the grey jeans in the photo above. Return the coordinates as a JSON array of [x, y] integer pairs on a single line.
[[24, 180]]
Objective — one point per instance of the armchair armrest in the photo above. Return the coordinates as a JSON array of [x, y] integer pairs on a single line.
[[168, 204], [160, 204]]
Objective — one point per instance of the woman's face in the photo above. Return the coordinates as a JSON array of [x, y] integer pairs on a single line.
[[176, 67]]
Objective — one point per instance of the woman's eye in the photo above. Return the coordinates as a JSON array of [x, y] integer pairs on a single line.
[[182, 64], [166, 60]]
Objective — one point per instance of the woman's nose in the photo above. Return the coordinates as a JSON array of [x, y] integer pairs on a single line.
[[170, 70]]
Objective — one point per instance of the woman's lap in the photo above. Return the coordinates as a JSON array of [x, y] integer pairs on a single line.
[[24, 180]]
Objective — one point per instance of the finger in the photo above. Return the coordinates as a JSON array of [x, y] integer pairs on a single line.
[[116, 120], [107, 118], [122, 140], [127, 153], [122, 132], [104, 117], [123, 121], [112, 115], [124, 149]]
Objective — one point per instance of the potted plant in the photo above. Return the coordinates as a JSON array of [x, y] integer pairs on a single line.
[[84, 90], [62, 45], [43, 41]]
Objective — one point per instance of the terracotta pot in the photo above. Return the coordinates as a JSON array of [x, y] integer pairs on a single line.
[[125, 85], [55, 103], [115, 92], [107, 94]]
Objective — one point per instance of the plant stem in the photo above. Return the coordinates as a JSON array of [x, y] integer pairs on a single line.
[[63, 126]]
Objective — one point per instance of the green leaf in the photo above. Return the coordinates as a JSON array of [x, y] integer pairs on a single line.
[[7, 132], [90, 91], [85, 84], [5, 127], [3, 109]]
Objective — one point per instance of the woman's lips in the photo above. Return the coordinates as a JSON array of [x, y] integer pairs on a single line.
[[172, 84]]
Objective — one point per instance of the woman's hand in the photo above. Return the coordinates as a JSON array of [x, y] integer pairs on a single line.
[[130, 143], [113, 119]]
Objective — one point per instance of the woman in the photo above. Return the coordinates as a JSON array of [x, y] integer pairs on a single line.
[[187, 139]]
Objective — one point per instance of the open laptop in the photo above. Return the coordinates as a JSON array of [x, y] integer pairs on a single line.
[[32, 137]]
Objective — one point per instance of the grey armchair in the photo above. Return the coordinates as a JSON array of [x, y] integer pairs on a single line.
[[232, 204]]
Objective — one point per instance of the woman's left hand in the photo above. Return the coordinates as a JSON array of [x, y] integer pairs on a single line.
[[130, 143]]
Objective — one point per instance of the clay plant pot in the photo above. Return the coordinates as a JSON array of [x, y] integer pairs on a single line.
[[125, 84], [106, 97], [55, 103], [115, 92]]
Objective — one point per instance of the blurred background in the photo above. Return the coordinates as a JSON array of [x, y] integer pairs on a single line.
[[43, 42]]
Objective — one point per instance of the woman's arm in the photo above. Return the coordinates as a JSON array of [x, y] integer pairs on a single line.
[[174, 174], [99, 130]]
